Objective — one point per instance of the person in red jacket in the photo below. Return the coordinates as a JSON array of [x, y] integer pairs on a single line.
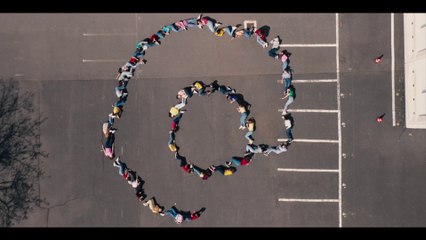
[[240, 161]]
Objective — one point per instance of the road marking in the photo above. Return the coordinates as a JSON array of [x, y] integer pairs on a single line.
[[393, 67], [309, 45], [339, 119], [246, 23], [108, 34], [306, 200], [310, 81], [103, 60], [18, 75], [311, 110], [306, 170], [309, 140]]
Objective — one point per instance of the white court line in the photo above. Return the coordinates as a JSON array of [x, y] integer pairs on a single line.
[[107, 34], [393, 67], [310, 81], [306, 200], [339, 119], [309, 45], [103, 60], [311, 110], [309, 140], [307, 170]]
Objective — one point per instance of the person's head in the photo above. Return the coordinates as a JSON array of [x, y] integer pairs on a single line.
[[286, 115], [179, 218], [249, 156]]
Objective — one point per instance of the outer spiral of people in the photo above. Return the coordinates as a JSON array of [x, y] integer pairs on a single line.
[[126, 72]]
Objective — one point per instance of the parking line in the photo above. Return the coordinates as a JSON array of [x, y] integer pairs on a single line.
[[339, 119], [393, 66], [309, 45], [108, 34], [103, 60], [309, 140], [311, 110], [307, 170], [310, 81], [307, 200]]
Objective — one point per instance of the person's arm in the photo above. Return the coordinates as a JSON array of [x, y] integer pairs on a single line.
[[286, 93]]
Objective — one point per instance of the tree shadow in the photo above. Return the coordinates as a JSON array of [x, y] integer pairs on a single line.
[[20, 151]]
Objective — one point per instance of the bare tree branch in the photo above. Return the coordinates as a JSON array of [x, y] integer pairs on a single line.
[[20, 151]]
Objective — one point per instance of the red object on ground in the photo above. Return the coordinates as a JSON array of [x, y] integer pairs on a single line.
[[378, 59], [379, 119]]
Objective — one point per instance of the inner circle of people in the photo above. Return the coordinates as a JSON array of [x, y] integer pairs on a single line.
[[126, 72]]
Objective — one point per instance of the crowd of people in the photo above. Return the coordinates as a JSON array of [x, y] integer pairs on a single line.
[[125, 74]]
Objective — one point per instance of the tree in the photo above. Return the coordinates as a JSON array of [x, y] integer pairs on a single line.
[[20, 152]]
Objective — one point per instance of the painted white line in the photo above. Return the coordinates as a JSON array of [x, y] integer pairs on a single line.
[[309, 140], [393, 67], [310, 81], [307, 170], [311, 110], [250, 22], [19, 75], [103, 60], [307, 200], [309, 45], [107, 34], [339, 119]]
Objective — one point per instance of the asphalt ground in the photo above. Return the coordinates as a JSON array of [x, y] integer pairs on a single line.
[[70, 61]]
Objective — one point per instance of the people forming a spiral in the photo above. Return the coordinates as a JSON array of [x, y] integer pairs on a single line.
[[125, 74]]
